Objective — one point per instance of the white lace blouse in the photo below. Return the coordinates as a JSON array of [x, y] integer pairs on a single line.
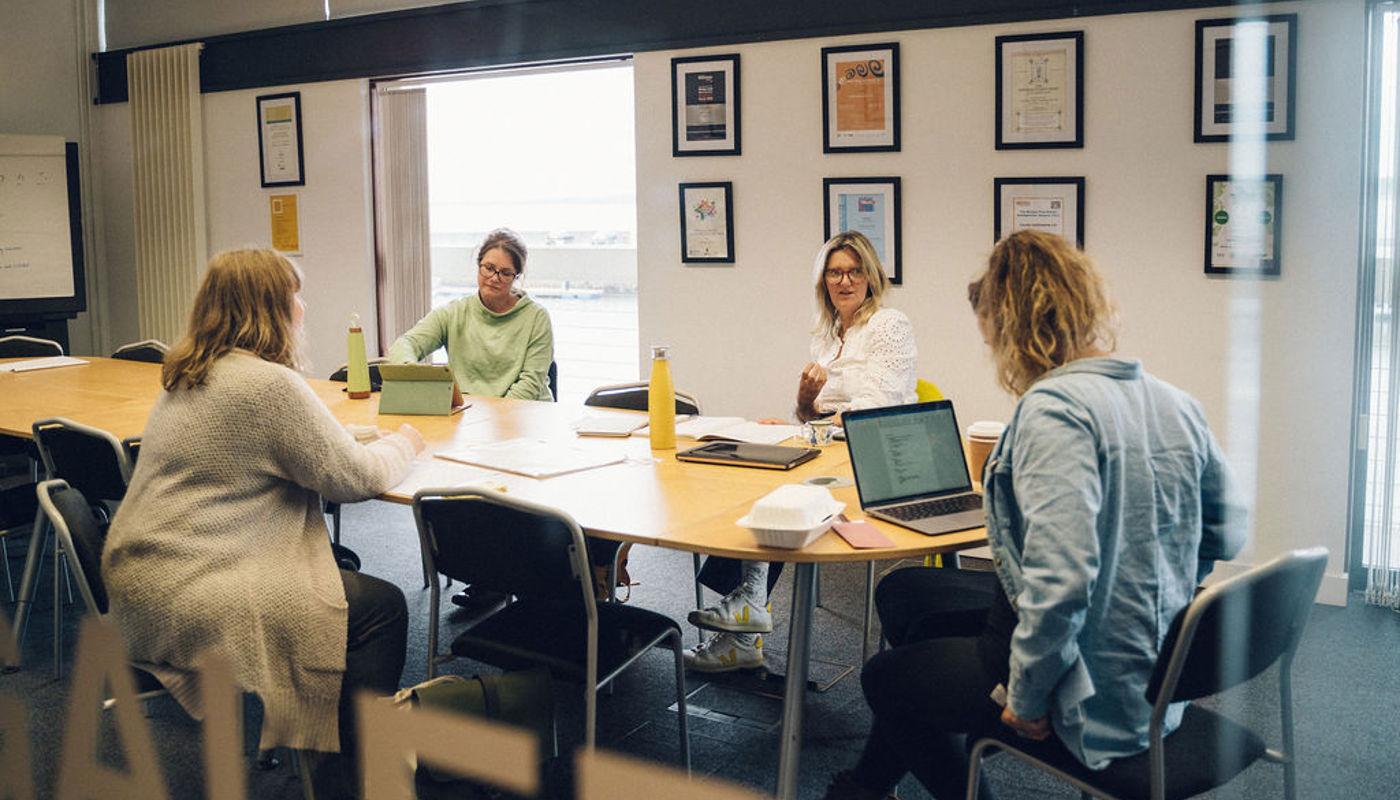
[[876, 366]]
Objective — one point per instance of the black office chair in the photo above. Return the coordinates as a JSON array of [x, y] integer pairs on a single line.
[[342, 373], [151, 351], [28, 347], [537, 554], [553, 376], [81, 536], [1231, 632], [91, 461], [633, 397]]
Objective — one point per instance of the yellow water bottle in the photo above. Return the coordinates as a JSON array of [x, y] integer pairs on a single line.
[[356, 364], [661, 401]]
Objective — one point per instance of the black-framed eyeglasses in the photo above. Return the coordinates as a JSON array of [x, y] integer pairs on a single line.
[[488, 271]]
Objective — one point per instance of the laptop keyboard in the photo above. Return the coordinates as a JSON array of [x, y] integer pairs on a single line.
[[935, 508]]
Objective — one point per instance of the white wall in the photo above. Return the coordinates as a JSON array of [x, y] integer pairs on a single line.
[[334, 207], [1271, 361]]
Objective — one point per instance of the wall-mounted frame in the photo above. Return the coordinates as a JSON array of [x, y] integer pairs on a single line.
[[707, 223], [860, 98], [1245, 77], [1040, 90], [1244, 224], [705, 105], [870, 206], [1052, 205], [279, 139]]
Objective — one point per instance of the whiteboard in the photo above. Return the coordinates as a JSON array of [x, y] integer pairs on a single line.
[[37, 228]]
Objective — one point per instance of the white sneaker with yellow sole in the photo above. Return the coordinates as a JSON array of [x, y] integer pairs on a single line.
[[736, 614], [725, 652]]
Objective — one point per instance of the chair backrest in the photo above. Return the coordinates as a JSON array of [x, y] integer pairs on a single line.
[[503, 544], [28, 346], [1239, 627], [82, 537], [152, 351], [553, 376], [343, 373], [633, 397], [927, 391], [91, 460]]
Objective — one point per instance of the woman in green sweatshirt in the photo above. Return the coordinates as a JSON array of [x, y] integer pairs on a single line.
[[499, 342]]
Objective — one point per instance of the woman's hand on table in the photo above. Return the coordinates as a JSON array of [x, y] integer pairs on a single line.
[[413, 436]]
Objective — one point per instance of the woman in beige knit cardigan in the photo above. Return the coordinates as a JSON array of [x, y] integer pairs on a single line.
[[220, 543]]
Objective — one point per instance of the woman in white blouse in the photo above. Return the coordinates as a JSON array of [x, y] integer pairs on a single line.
[[863, 355]]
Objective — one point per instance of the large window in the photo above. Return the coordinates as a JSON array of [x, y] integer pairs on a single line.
[[1378, 509], [548, 153]]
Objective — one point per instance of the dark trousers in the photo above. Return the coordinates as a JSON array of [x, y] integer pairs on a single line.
[[918, 603], [375, 648], [723, 574], [930, 695]]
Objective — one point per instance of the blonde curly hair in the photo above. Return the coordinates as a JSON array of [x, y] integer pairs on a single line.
[[1041, 304]]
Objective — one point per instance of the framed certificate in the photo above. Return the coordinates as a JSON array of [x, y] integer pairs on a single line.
[[707, 223], [1052, 205], [1243, 225], [279, 139], [705, 106], [1040, 90], [860, 98], [870, 206], [1245, 70]]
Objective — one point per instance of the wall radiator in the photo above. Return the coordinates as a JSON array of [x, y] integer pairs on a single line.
[[167, 162], [403, 258]]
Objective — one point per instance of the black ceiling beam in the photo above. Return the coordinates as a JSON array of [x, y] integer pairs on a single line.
[[499, 32]]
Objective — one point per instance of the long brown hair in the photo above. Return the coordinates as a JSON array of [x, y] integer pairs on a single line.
[[1041, 304], [245, 301], [876, 281]]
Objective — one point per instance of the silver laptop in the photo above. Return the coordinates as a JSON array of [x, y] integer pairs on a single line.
[[910, 468]]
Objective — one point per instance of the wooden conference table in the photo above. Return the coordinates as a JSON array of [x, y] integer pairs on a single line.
[[649, 498]]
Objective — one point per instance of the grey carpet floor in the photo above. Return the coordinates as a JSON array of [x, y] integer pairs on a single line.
[[1347, 681]]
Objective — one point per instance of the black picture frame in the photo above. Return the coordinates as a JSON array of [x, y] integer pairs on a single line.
[[1232, 196], [843, 200], [1035, 207], [1031, 112], [280, 156], [869, 67], [1215, 113], [707, 236], [705, 106]]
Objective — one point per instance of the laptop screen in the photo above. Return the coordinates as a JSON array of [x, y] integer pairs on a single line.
[[906, 452]]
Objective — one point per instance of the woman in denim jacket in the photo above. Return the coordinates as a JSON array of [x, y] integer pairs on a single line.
[[1108, 500]]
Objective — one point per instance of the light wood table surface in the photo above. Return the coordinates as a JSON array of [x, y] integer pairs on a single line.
[[650, 498]]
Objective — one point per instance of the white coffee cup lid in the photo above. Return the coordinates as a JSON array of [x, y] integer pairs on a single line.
[[986, 429]]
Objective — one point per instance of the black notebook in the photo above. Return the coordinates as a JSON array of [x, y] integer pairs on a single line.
[[747, 454]]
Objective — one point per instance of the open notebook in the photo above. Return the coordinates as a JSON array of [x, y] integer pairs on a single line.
[[729, 429]]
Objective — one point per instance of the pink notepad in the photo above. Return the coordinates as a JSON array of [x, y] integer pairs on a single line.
[[861, 534]]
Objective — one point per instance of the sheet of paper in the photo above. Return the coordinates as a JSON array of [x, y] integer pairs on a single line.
[[41, 363], [530, 457]]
